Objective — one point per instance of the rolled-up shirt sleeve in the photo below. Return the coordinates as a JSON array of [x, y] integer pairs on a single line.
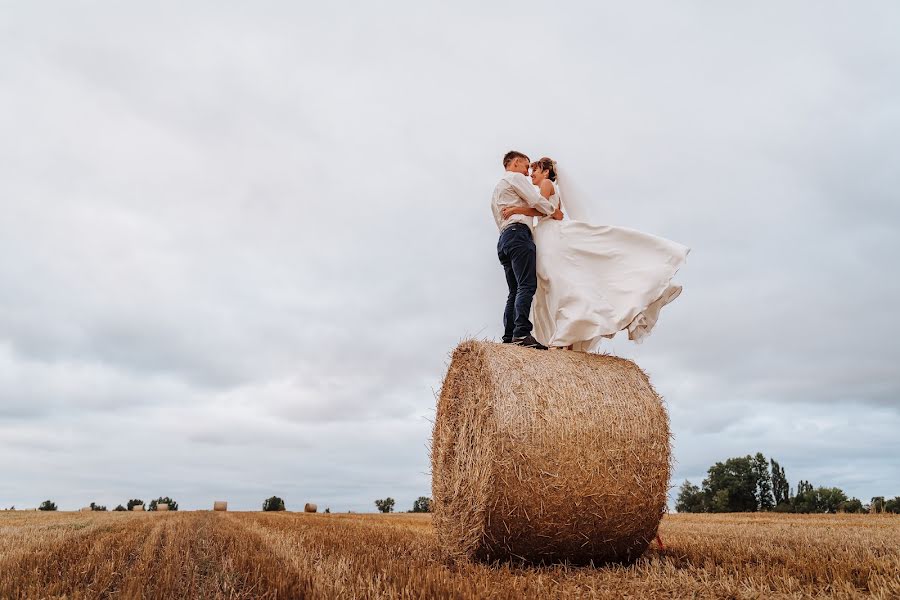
[[526, 190]]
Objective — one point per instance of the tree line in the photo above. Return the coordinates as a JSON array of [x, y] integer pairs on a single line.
[[386, 505], [753, 483], [49, 505], [421, 505]]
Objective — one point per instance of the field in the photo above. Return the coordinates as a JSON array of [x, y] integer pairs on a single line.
[[288, 555]]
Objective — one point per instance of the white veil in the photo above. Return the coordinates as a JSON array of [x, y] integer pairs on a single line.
[[574, 198]]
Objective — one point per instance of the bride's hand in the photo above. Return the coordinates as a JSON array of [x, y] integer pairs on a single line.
[[558, 215]]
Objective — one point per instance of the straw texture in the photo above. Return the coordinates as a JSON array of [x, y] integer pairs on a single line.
[[552, 456], [310, 507], [220, 505]]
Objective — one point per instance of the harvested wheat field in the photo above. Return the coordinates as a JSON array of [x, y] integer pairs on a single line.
[[297, 555]]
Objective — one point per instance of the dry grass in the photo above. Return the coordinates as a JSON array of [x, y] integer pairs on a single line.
[[296, 555], [547, 456]]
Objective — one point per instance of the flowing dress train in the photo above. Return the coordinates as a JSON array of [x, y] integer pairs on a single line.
[[597, 280]]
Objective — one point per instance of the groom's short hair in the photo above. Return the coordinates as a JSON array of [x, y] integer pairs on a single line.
[[511, 156]]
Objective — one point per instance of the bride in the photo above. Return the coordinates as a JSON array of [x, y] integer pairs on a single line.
[[594, 280]]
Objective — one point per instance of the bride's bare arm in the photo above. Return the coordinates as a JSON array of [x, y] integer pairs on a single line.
[[548, 190]]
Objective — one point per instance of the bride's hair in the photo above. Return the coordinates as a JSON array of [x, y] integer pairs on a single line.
[[546, 164]]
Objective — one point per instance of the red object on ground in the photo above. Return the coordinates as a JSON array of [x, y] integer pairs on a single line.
[[659, 541]]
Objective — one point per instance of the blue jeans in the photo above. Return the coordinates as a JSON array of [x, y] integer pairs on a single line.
[[518, 255]]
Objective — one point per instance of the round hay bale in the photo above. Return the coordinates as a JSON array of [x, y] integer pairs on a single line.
[[220, 505], [85, 509], [547, 456], [310, 507], [138, 508], [162, 507]]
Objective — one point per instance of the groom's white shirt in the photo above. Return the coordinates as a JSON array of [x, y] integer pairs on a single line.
[[516, 189]]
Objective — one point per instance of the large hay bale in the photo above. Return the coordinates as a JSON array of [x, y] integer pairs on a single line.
[[310, 507], [138, 508], [162, 507], [220, 505], [85, 509], [547, 456]]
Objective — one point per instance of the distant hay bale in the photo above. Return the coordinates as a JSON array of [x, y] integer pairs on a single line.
[[138, 508], [552, 456], [310, 507], [162, 507], [220, 505], [85, 509]]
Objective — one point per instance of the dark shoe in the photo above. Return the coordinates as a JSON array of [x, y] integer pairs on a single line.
[[529, 342], [507, 340]]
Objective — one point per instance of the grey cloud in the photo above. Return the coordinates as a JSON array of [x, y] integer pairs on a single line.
[[231, 231]]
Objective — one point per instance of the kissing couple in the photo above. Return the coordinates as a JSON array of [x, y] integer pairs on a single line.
[[579, 282]]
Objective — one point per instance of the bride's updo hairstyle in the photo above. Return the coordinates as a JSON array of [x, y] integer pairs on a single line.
[[546, 164]]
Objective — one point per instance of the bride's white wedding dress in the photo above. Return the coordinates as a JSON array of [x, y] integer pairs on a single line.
[[597, 280]]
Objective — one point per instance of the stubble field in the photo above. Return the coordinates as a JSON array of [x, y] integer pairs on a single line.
[[296, 555]]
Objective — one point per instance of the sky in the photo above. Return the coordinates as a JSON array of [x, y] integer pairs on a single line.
[[238, 241]]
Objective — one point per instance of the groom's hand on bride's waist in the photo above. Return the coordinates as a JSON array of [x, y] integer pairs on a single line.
[[520, 210], [510, 211]]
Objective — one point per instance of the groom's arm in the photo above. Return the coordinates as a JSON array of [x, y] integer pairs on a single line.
[[547, 191], [527, 192], [509, 211], [529, 212]]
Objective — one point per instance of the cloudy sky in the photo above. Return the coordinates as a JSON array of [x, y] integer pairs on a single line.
[[239, 240]]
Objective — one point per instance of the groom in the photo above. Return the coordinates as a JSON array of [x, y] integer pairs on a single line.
[[516, 248]]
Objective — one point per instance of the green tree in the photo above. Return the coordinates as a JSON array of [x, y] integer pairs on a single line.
[[781, 489], [720, 502], [818, 500], [764, 498], [47, 505], [134, 502], [163, 500], [97, 507], [120, 508], [893, 505], [273, 504], [829, 499], [386, 505], [690, 499], [422, 505], [877, 505], [853, 505], [731, 486], [784, 507], [805, 501]]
